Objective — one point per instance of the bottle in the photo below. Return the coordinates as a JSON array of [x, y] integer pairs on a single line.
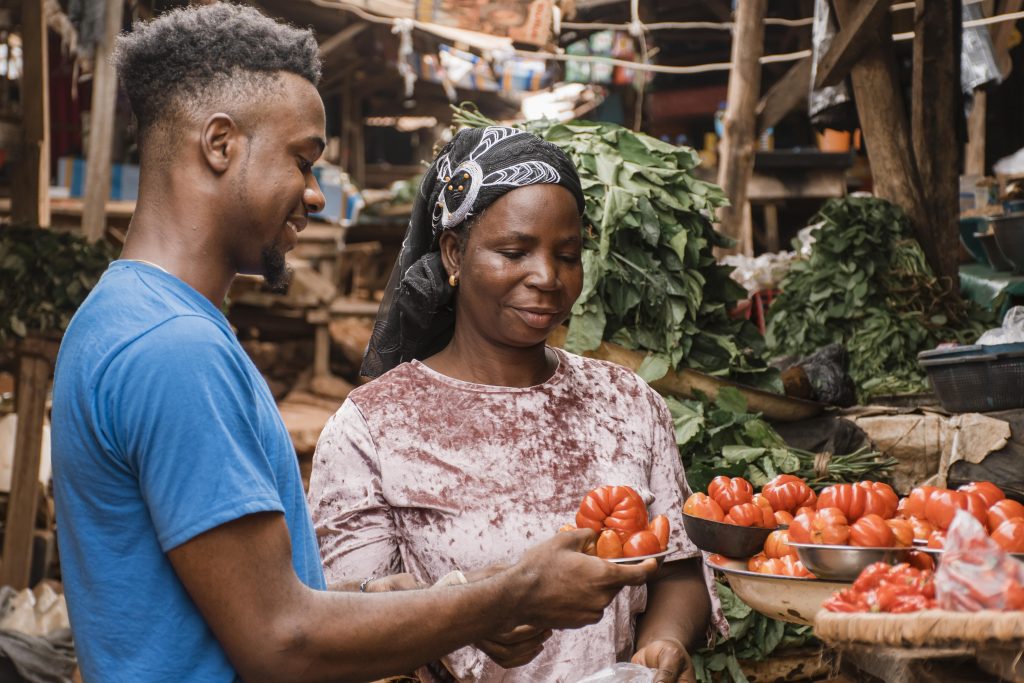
[[720, 120]]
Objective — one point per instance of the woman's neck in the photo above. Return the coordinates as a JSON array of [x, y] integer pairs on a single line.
[[471, 358]]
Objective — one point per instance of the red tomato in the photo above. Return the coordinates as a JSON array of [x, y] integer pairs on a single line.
[[784, 566], [827, 526], [619, 508], [902, 531], [641, 543], [747, 514], [783, 518], [920, 560], [755, 562], [800, 511], [871, 576], [787, 492], [988, 491], [937, 539], [609, 546], [716, 559], [942, 507], [729, 492], [777, 544], [703, 506], [659, 527], [862, 498], [1010, 535], [922, 528], [871, 531], [767, 511], [1002, 511], [914, 504]]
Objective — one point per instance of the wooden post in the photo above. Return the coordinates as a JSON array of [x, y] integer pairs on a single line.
[[736, 156], [35, 357], [101, 126], [974, 151], [30, 195], [883, 121], [935, 113]]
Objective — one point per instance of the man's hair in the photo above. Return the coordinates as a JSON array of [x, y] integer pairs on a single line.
[[189, 58]]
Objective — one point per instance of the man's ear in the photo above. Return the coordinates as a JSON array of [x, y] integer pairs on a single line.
[[451, 255], [220, 141]]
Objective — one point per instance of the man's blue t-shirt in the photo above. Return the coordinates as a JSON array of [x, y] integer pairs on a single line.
[[162, 429]]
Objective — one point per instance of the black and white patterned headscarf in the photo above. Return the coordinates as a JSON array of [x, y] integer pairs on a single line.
[[477, 167]]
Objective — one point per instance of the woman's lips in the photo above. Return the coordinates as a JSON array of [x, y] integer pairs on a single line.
[[538, 318]]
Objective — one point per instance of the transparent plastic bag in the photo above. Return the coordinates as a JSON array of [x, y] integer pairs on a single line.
[[621, 673], [975, 573], [1011, 332]]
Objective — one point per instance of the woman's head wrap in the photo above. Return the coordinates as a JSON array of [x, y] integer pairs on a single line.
[[479, 165]]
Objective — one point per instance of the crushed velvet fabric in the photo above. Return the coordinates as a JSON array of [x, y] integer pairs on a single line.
[[423, 473]]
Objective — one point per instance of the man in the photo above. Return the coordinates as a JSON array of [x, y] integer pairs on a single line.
[[187, 548]]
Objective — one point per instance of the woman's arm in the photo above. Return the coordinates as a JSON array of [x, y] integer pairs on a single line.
[[678, 610]]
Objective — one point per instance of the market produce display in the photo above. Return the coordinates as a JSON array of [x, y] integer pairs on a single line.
[[721, 438], [867, 286], [931, 510], [890, 588], [650, 278], [619, 516], [45, 276]]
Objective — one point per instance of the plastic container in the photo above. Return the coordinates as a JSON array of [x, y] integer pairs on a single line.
[[992, 253], [972, 379], [1009, 233]]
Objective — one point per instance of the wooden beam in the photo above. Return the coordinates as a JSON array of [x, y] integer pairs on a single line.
[[332, 47], [936, 125], [35, 357], [101, 126], [736, 160], [974, 150], [30, 195], [883, 121], [1001, 36], [860, 28], [788, 93]]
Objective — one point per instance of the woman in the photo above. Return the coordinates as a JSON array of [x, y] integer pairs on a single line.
[[477, 439]]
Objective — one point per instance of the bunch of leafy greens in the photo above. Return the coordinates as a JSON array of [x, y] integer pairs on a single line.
[[45, 276], [650, 279], [721, 437], [752, 636], [867, 285]]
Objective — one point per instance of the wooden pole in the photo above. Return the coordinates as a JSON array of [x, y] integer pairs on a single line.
[[101, 126], [34, 363], [736, 156], [974, 151], [936, 112], [883, 121], [30, 196]]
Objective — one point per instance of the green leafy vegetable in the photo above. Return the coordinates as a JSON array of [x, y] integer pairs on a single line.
[[45, 276], [867, 285], [650, 278]]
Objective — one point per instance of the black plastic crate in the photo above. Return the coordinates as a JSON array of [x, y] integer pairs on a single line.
[[977, 379]]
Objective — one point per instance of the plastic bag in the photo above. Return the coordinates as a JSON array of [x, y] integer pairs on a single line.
[[621, 673], [975, 573], [1011, 332]]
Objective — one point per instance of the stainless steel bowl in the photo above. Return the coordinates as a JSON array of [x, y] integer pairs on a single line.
[[844, 562]]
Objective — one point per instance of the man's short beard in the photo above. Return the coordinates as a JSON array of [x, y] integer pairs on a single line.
[[276, 272]]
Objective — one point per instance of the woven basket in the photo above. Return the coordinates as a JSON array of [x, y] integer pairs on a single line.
[[930, 628]]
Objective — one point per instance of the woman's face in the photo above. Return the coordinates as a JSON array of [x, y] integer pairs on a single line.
[[520, 272]]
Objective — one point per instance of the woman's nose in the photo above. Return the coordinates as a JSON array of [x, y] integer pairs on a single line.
[[544, 274]]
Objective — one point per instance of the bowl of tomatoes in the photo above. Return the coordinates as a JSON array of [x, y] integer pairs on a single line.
[[625, 534], [845, 562]]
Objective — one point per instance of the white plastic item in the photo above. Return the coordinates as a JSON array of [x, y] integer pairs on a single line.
[[1011, 332], [8, 430], [621, 673]]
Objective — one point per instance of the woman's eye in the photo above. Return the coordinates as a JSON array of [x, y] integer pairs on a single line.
[[571, 258], [512, 255]]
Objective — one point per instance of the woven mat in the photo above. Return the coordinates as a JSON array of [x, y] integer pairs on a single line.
[[932, 628]]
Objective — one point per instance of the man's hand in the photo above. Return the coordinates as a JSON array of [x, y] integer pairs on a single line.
[[394, 582], [519, 646], [670, 658], [567, 589]]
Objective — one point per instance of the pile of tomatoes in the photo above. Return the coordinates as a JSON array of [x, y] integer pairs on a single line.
[[619, 516], [931, 511], [882, 587]]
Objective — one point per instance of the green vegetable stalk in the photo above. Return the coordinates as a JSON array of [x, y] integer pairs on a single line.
[[650, 278]]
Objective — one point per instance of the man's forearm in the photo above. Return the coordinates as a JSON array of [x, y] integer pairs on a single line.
[[678, 605]]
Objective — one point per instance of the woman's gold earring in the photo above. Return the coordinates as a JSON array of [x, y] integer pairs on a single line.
[[453, 281]]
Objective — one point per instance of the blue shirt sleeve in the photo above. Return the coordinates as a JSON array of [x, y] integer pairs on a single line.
[[180, 416]]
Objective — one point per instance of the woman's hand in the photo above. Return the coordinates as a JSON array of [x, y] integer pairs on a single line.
[[519, 646], [670, 658]]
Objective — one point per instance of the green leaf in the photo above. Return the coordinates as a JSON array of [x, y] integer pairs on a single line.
[[734, 454], [653, 368], [731, 399]]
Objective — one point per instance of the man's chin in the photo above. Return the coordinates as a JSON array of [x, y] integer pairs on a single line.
[[277, 275]]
